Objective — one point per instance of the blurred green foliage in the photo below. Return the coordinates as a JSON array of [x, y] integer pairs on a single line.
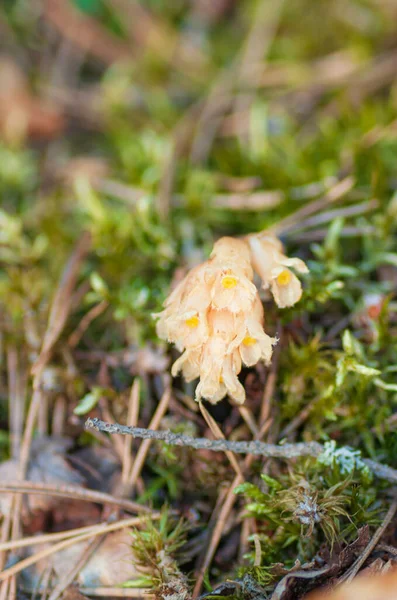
[[307, 128]]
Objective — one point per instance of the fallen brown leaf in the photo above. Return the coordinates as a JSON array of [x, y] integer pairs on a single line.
[[47, 464], [112, 564]]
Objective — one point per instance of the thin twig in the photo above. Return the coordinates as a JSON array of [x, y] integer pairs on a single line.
[[389, 549], [231, 497], [254, 447], [317, 235], [117, 440], [221, 97], [68, 578], [61, 303], [217, 103], [244, 200], [270, 383], [132, 419], [300, 418], [5, 532], [256, 48], [111, 592], [144, 448], [337, 192], [13, 589], [43, 584], [16, 400], [59, 416], [218, 434], [108, 592], [381, 471], [249, 419], [258, 550], [180, 137], [178, 439], [57, 318], [245, 532], [70, 491], [16, 411], [217, 532], [371, 544], [45, 538], [4, 589], [31, 560], [85, 322], [337, 213]]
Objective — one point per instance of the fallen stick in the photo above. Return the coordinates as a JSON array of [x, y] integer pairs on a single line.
[[254, 447]]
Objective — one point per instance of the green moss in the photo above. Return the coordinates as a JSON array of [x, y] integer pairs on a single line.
[[312, 503], [300, 136]]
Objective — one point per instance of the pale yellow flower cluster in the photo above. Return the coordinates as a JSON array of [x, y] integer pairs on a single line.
[[215, 316]]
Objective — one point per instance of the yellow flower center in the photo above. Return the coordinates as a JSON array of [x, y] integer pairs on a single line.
[[193, 322], [221, 379], [249, 341], [284, 277], [229, 281]]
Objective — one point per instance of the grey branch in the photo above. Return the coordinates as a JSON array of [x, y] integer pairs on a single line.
[[178, 439], [382, 471], [254, 447]]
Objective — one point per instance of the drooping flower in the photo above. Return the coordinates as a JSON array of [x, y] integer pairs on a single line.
[[225, 280], [272, 266], [186, 330], [231, 289], [252, 342], [189, 363], [220, 366], [215, 316], [218, 373], [183, 320], [191, 293], [230, 276]]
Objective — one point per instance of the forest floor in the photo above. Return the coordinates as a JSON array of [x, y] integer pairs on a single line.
[[132, 137]]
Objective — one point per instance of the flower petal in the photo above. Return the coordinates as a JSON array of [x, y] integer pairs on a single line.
[[289, 294], [234, 388], [270, 263], [295, 263], [231, 250], [250, 353], [266, 344], [189, 364], [213, 397], [238, 298]]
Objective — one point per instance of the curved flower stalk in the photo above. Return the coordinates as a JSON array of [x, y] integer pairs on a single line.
[[216, 319]]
